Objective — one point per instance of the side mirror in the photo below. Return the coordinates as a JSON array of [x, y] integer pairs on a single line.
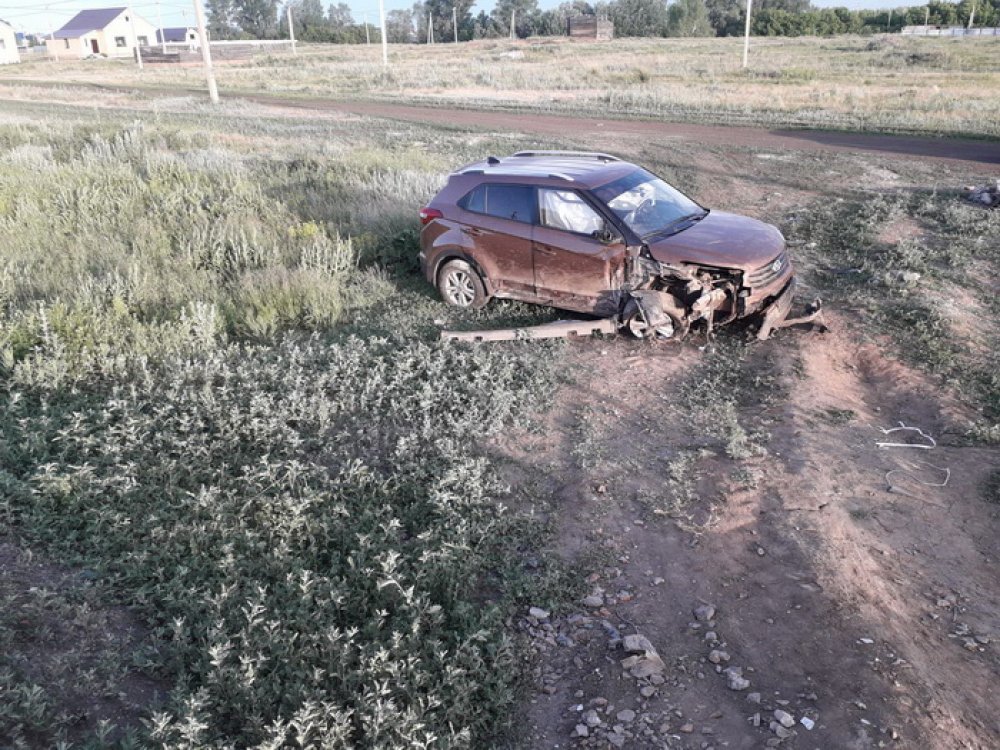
[[605, 235]]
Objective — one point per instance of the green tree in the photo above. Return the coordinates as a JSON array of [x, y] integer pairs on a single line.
[[688, 18], [639, 17], [221, 19], [257, 18], [526, 17]]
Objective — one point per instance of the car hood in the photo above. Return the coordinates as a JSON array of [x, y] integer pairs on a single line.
[[721, 240]]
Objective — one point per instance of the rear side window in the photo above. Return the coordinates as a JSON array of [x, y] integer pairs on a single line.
[[514, 202]]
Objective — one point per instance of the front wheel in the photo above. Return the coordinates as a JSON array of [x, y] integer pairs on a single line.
[[460, 285], [636, 325]]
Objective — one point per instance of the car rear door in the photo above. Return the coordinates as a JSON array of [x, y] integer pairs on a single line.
[[574, 267], [500, 231]]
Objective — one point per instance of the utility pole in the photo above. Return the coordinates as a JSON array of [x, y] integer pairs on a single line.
[[972, 15], [888, 26], [206, 52], [135, 39], [291, 30], [454, 21], [163, 33], [513, 16], [368, 36], [385, 42], [746, 37], [927, 20]]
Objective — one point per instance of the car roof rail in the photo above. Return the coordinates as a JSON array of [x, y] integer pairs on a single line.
[[569, 154]]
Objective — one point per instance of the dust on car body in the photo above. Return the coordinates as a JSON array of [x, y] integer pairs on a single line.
[[594, 234]]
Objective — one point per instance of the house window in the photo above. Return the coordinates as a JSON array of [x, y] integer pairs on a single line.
[[3, 44], [143, 41], [119, 41]]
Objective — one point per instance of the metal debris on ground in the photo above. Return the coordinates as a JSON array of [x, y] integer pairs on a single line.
[[909, 473], [557, 329], [903, 427], [984, 195]]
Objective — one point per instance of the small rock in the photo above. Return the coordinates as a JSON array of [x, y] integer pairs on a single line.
[[627, 715], [581, 731], [755, 719], [593, 601], [658, 581], [599, 702], [638, 644], [591, 719], [538, 613], [753, 697], [736, 681], [717, 657], [687, 727], [648, 667], [807, 723], [711, 636], [783, 732], [704, 613], [784, 718], [647, 691]]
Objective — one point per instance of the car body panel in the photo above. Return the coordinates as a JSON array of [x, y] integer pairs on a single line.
[[585, 273]]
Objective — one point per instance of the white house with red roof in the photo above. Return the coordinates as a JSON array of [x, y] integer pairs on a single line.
[[105, 32]]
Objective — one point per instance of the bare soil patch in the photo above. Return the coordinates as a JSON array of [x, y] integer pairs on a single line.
[[865, 607]]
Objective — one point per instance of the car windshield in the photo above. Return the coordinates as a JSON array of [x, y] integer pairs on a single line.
[[647, 204]]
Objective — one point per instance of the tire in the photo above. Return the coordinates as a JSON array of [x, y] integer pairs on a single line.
[[460, 285], [635, 325]]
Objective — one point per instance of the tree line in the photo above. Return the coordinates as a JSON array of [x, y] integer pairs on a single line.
[[266, 19]]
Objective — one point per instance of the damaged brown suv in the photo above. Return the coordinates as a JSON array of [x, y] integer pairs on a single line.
[[594, 234]]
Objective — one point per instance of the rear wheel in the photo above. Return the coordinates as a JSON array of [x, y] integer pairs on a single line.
[[460, 285]]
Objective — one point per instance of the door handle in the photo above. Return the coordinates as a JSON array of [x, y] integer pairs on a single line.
[[545, 250], [474, 231]]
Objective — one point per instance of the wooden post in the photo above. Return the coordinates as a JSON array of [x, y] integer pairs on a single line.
[[888, 26], [291, 29], [385, 43], [746, 37], [368, 36], [513, 17], [454, 20], [135, 38], [972, 15], [206, 53]]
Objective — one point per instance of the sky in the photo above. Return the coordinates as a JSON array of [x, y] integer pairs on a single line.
[[44, 15]]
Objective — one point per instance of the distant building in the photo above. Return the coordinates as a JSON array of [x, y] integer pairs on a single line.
[[178, 35], [590, 27], [101, 31], [8, 44]]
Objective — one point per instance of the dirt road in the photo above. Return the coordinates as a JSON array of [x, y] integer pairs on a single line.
[[597, 129], [983, 152]]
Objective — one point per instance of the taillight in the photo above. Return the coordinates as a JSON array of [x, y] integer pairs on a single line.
[[428, 214]]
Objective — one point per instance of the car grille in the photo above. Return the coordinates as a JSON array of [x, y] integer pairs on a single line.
[[767, 273]]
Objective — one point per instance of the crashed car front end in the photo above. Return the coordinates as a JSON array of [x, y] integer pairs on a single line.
[[672, 297]]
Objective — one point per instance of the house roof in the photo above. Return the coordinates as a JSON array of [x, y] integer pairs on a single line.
[[88, 20], [173, 34], [6, 24]]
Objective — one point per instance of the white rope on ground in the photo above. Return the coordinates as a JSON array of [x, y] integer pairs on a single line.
[[911, 475], [933, 443]]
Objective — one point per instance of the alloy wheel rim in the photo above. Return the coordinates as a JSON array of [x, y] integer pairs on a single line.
[[460, 289]]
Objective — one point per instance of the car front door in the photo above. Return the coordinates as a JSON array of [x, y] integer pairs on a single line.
[[501, 233], [577, 265]]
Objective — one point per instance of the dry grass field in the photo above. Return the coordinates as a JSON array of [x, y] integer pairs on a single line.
[[249, 499], [883, 83]]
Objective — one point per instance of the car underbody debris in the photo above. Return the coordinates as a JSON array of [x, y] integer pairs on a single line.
[[984, 195], [555, 330]]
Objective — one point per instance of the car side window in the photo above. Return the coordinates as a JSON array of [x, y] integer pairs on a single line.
[[475, 200], [567, 210], [516, 202]]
